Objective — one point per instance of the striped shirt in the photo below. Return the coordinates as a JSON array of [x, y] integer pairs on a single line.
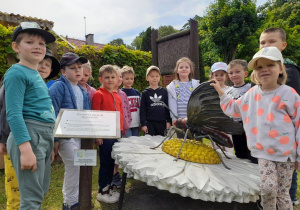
[[183, 93]]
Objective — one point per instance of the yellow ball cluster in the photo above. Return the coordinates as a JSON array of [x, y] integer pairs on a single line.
[[194, 151]]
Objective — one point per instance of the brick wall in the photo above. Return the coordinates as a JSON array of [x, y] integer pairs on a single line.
[[167, 79]]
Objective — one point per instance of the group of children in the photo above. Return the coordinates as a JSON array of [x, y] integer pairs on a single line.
[[268, 111]]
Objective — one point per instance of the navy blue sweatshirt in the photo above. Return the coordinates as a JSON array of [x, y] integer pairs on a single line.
[[151, 108]]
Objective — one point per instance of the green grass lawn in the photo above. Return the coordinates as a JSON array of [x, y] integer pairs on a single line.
[[54, 198]]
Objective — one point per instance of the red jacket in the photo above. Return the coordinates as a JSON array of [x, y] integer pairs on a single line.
[[106, 101]]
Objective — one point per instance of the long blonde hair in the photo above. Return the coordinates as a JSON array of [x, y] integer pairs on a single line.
[[88, 67], [192, 67]]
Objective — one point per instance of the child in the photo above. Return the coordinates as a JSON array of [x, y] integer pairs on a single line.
[[180, 90], [154, 117], [87, 75], [116, 181], [237, 72], [133, 96], [68, 94], [30, 115], [49, 65], [125, 103], [219, 72], [276, 37], [107, 99], [271, 115]]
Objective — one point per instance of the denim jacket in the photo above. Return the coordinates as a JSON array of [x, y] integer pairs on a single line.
[[63, 96]]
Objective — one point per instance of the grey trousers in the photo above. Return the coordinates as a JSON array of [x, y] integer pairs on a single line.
[[34, 185]]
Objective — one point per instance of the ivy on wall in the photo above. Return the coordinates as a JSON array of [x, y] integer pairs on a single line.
[[115, 55], [5, 48]]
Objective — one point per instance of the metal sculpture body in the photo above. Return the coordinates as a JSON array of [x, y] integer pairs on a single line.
[[206, 119]]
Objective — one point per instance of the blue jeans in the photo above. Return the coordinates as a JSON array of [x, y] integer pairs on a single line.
[[106, 169], [293, 189], [133, 132]]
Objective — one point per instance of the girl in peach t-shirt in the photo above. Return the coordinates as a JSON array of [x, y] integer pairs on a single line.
[[270, 112]]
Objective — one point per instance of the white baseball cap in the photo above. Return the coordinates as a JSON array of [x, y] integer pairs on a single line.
[[219, 66], [152, 68], [271, 53]]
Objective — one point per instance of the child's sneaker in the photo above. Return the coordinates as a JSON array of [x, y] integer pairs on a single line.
[[67, 207], [130, 175], [106, 197], [117, 181], [113, 192], [295, 202]]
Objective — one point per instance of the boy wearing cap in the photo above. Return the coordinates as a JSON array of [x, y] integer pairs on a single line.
[[68, 94], [30, 115], [47, 69], [154, 117]]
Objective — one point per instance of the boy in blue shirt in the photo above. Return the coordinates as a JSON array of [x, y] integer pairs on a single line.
[[30, 115], [68, 94]]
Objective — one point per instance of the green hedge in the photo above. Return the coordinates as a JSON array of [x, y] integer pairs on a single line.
[[115, 55], [120, 56], [5, 48]]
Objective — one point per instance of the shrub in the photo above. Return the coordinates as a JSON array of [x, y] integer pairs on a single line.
[[115, 55]]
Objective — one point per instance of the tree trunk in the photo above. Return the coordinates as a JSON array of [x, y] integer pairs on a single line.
[[229, 55]]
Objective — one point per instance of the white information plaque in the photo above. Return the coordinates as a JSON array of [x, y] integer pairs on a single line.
[[85, 157], [74, 123]]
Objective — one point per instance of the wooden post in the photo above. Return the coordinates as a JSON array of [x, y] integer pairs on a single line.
[[154, 37], [122, 192], [85, 180], [194, 39]]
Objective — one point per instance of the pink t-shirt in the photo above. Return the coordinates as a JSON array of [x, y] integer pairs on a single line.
[[90, 91], [126, 110]]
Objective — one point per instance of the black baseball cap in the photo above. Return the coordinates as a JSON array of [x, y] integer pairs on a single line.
[[71, 58], [55, 64], [33, 26]]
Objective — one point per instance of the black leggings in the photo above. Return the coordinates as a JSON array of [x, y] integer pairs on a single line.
[[241, 148], [156, 128]]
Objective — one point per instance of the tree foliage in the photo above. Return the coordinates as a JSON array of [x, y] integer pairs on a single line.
[[146, 40], [166, 30], [117, 42], [282, 14], [146, 36], [137, 42], [228, 23], [187, 24], [286, 15]]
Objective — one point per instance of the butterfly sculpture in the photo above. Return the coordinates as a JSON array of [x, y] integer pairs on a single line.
[[205, 118]]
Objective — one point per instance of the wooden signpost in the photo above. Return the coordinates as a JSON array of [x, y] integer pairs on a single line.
[[87, 125]]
